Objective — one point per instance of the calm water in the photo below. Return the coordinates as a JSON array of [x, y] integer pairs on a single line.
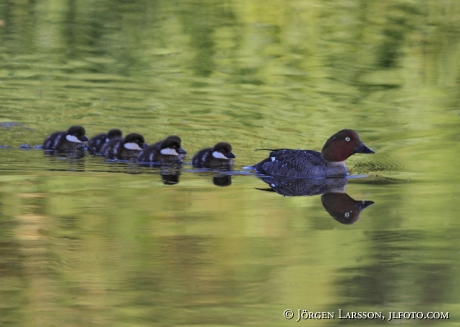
[[90, 243]]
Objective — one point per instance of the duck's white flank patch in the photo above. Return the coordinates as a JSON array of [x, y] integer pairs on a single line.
[[72, 138], [169, 152], [219, 155], [273, 159], [132, 146]]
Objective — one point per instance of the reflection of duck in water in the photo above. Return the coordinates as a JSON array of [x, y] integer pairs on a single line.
[[170, 177], [222, 180], [330, 162], [343, 208], [337, 203], [304, 186]]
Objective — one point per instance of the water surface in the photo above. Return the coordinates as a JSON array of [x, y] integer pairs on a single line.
[[90, 243]]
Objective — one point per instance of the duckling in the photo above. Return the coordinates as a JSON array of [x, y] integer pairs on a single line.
[[220, 156], [167, 153], [96, 143], [181, 151], [124, 149], [71, 140]]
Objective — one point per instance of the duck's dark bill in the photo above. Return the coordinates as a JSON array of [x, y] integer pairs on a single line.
[[361, 148]]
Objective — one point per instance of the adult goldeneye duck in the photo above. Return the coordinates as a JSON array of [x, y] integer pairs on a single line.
[[167, 153], [96, 143], [330, 162], [71, 140], [220, 156], [124, 149]]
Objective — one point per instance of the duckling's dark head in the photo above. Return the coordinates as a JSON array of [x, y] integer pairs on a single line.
[[223, 150], [174, 137], [114, 133], [177, 138], [134, 141], [170, 146], [76, 134]]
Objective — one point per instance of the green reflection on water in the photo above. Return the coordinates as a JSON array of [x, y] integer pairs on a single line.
[[86, 247]]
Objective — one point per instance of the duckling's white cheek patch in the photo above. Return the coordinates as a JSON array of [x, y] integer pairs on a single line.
[[169, 152], [132, 146], [72, 138], [219, 155], [273, 159]]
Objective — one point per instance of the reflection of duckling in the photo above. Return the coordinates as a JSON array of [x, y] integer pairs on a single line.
[[96, 143], [167, 153], [170, 178], [222, 180], [123, 149], [330, 162], [343, 208], [71, 140], [220, 156], [181, 151]]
